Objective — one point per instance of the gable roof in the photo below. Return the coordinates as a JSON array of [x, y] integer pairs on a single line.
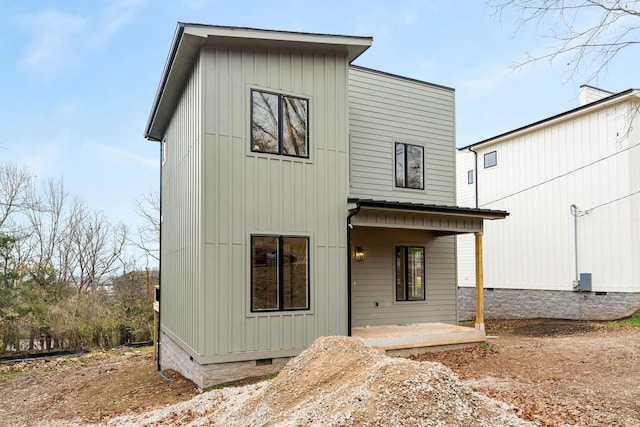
[[190, 38], [613, 99]]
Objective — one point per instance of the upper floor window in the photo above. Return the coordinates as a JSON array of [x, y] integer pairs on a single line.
[[279, 273], [409, 166], [490, 160], [279, 124], [470, 176]]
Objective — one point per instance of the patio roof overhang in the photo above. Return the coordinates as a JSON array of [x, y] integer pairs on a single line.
[[441, 219]]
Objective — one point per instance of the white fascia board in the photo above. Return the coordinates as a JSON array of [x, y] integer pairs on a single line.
[[570, 115]]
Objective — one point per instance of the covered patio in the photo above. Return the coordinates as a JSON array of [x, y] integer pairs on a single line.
[[382, 317]]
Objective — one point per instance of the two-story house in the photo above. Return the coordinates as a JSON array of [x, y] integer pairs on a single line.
[[571, 183], [301, 196]]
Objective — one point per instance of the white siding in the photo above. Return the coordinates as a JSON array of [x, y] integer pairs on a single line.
[[466, 197], [181, 240], [374, 281], [252, 193], [634, 168], [583, 161], [465, 192], [385, 109]]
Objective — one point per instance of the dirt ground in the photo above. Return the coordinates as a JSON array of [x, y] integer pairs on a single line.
[[555, 372]]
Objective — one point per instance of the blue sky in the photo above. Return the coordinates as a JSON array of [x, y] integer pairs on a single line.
[[78, 77]]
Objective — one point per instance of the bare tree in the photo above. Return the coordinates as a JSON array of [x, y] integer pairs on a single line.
[[588, 34], [15, 191], [147, 237], [47, 222], [94, 247]]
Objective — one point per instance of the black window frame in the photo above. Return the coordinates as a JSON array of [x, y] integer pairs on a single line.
[[405, 168], [280, 274], [495, 159], [280, 151], [470, 176], [406, 273]]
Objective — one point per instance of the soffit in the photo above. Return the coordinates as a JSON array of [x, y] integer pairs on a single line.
[[440, 219]]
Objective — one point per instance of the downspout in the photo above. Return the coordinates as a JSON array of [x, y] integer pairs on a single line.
[[349, 227], [475, 173], [160, 266]]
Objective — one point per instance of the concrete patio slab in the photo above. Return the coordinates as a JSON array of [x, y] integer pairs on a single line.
[[412, 336]]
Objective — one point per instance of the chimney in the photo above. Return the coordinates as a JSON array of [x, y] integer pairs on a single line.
[[589, 94]]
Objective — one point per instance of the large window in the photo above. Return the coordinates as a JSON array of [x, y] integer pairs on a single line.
[[409, 273], [279, 273], [409, 166], [279, 124], [490, 159]]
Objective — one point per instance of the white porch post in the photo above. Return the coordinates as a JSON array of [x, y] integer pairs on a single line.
[[479, 284]]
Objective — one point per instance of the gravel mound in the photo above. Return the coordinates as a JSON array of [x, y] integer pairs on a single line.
[[339, 381]]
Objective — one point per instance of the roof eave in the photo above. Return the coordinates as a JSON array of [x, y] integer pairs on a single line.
[[151, 131], [613, 99], [488, 214], [190, 38]]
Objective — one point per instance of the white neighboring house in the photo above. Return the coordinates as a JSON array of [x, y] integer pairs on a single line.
[[571, 246]]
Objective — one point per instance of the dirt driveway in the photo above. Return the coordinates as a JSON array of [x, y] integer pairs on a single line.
[[554, 372]]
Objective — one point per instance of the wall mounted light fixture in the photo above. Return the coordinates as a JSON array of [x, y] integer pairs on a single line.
[[359, 254]]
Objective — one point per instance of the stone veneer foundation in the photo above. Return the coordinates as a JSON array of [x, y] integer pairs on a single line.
[[528, 303], [172, 356]]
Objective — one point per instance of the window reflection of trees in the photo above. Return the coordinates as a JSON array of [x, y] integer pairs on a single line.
[[265, 273], [279, 273], [294, 285], [294, 140], [279, 124], [410, 285], [409, 166], [265, 122], [414, 169], [399, 165]]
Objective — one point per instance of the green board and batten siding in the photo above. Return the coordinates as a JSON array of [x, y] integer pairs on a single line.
[[374, 279], [182, 249], [385, 109], [238, 193]]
